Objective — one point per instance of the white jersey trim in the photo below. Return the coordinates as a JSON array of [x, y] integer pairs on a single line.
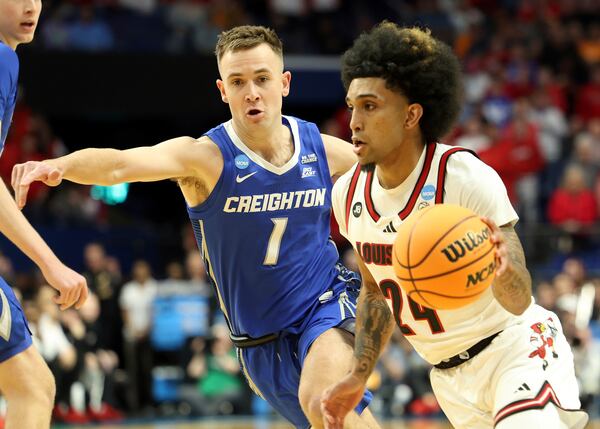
[[257, 159]]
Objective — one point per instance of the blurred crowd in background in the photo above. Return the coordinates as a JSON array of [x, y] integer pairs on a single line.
[[151, 341]]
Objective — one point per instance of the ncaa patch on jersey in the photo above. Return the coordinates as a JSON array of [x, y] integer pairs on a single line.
[[357, 209], [308, 172], [428, 192], [242, 162]]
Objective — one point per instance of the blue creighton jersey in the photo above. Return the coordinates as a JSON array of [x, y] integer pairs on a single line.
[[9, 73], [264, 232]]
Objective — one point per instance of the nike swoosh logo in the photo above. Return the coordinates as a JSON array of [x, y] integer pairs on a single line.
[[240, 179], [5, 318]]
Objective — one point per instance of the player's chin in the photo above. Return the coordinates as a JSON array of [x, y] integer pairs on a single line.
[[366, 164]]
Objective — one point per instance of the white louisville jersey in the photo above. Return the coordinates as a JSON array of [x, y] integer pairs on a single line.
[[369, 216]]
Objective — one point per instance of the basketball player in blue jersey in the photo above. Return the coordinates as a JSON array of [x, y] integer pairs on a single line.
[[257, 189], [499, 362], [25, 379]]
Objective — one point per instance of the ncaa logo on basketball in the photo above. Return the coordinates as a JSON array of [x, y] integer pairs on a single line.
[[474, 278], [357, 209], [458, 248], [242, 162], [428, 192]]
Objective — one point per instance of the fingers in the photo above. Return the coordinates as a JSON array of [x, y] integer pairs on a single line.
[[501, 252], [72, 295], [82, 297]]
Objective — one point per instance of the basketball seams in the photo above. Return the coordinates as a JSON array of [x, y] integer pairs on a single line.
[[412, 280], [438, 241], [451, 271]]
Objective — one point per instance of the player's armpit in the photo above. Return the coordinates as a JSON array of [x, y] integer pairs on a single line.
[[512, 285], [374, 324]]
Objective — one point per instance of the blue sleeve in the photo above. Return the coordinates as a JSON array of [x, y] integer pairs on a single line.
[[9, 72]]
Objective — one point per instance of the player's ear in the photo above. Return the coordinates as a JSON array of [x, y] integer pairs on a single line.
[[221, 87], [286, 79], [413, 115]]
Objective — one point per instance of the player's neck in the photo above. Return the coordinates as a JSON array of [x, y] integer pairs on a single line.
[[269, 142], [398, 165], [12, 45]]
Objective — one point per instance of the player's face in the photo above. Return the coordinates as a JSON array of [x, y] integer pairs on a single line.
[[253, 84], [18, 20], [381, 120]]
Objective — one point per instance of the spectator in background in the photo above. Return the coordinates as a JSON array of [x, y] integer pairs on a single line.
[[572, 208], [107, 288], [222, 386], [474, 135], [60, 355], [517, 158], [99, 366], [90, 32], [135, 302], [190, 27], [587, 105], [545, 295]]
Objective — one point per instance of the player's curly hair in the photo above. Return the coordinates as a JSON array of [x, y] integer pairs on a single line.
[[413, 62]]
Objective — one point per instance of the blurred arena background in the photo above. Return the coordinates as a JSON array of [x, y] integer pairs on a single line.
[[150, 344]]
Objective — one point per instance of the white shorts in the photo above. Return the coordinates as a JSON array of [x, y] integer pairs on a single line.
[[524, 379]]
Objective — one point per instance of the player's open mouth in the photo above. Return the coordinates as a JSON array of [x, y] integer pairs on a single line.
[[254, 113], [29, 25]]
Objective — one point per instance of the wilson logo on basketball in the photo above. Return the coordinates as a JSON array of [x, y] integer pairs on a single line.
[[459, 248], [479, 276]]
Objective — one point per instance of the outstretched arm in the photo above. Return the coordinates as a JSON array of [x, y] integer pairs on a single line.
[[374, 327], [340, 157], [180, 157], [512, 285]]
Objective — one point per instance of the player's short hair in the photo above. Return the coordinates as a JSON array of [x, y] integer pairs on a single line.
[[414, 63], [247, 37]]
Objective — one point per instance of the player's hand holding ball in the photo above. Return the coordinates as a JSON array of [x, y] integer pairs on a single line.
[[445, 256]]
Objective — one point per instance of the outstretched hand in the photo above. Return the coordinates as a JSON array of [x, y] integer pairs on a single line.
[[340, 399], [23, 175]]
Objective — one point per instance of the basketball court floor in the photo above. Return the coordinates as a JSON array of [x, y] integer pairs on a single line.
[[266, 424]]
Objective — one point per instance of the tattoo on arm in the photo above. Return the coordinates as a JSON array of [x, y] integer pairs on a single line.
[[513, 288], [374, 326]]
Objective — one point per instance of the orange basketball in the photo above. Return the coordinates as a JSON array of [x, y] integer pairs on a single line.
[[444, 257]]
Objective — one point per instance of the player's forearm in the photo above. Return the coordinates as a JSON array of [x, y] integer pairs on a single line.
[[20, 232], [374, 327], [90, 166], [512, 289]]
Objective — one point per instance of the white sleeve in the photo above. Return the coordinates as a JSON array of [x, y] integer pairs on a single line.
[[338, 200], [475, 185]]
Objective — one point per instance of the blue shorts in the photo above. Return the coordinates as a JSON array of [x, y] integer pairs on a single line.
[[273, 369], [15, 335]]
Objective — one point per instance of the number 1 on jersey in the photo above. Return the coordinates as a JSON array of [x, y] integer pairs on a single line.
[[272, 255]]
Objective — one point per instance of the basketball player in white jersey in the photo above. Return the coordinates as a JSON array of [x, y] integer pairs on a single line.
[[501, 361]]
